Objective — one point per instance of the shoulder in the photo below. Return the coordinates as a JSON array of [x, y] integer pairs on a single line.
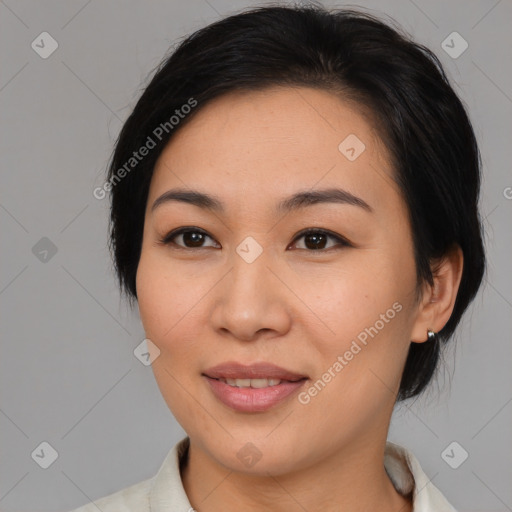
[[408, 477], [134, 497], [155, 494]]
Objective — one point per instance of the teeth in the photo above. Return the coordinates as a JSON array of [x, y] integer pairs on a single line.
[[252, 383]]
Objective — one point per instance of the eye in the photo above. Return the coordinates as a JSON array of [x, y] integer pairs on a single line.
[[191, 238], [315, 239]]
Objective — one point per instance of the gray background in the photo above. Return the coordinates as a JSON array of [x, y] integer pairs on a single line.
[[68, 373]]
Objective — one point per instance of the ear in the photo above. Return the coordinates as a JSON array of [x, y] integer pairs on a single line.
[[437, 301]]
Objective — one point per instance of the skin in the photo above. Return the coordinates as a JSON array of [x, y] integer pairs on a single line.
[[294, 306]]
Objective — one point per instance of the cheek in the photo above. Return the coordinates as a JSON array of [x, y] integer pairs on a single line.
[[163, 306], [360, 364], [355, 295], [171, 312], [163, 300], [366, 330], [368, 311], [152, 300]]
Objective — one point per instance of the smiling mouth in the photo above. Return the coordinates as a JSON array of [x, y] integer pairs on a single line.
[[255, 383], [254, 395], [232, 371]]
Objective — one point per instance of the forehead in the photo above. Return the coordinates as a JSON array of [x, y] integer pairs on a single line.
[[276, 140]]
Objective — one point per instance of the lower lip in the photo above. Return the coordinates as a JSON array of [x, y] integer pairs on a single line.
[[253, 399]]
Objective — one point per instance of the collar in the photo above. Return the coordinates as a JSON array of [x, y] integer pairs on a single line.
[[167, 492]]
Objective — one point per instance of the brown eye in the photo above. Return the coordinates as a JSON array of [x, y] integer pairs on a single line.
[[188, 238], [317, 239], [194, 238]]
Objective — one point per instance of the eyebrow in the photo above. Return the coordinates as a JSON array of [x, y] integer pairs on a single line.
[[298, 200]]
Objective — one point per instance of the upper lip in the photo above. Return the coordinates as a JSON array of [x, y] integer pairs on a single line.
[[234, 370]]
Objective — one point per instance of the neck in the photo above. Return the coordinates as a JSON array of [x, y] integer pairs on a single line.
[[351, 479]]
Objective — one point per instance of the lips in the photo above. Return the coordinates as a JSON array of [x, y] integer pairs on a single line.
[[234, 370], [253, 388]]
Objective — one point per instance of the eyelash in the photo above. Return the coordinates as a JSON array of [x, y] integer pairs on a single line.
[[342, 242]]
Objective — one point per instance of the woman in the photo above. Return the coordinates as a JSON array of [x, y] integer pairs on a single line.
[[294, 209]]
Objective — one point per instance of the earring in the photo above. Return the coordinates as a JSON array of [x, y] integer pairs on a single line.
[[431, 335]]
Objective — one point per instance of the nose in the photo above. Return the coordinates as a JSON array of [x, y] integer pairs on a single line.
[[251, 300]]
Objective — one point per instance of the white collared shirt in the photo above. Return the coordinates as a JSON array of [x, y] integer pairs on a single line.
[[164, 492]]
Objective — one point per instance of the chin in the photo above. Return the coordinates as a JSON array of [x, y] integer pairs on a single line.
[[256, 455]]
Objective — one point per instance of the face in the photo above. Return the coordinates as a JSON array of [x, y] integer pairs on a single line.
[[243, 283]]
